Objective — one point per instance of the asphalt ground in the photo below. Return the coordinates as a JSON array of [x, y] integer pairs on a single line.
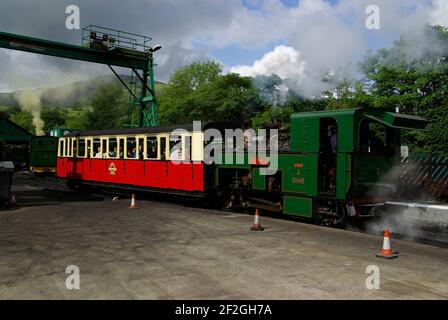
[[167, 250]]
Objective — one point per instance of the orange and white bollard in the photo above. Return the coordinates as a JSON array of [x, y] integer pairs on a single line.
[[257, 226], [386, 252], [133, 205]]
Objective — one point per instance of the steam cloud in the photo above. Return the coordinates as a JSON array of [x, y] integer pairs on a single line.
[[30, 101]]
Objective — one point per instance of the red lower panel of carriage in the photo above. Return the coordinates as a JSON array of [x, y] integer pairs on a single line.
[[153, 174]]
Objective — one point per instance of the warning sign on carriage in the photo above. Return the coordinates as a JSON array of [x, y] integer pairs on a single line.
[[112, 169]]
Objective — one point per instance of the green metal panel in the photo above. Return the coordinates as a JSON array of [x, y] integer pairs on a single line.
[[258, 181], [345, 132], [297, 206], [395, 120], [57, 49], [343, 175], [299, 173], [43, 151], [305, 129], [304, 134], [9, 131]]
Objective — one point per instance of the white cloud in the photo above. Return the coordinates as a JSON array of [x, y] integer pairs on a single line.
[[324, 36], [439, 14]]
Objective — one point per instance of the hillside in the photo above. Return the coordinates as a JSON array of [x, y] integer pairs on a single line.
[[75, 94]]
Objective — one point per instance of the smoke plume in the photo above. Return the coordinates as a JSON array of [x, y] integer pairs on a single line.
[[30, 101]]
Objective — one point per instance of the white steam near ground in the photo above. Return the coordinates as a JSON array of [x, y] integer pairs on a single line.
[[406, 220], [411, 223], [30, 101]]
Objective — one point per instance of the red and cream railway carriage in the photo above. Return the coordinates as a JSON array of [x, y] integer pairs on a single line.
[[139, 158]]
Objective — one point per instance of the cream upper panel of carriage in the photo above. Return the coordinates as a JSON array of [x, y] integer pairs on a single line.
[[186, 146]]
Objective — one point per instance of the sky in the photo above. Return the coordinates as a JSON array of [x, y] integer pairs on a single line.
[[297, 39]]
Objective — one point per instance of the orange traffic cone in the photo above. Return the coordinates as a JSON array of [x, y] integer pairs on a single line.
[[257, 226], [386, 252], [13, 199], [133, 205]]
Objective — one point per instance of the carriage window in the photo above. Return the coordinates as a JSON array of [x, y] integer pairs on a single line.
[[75, 147], [67, 147], [61, 148], [82, 148], [131, 148], [97, 149], [140, 148], [89, 143], [163, 148], [175, 147], [104, 148], [187, 155], [113, 148], [151, 147], [121, 148]]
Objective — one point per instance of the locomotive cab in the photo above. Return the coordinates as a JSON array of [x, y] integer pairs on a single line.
[[376, 157], [357, 154]]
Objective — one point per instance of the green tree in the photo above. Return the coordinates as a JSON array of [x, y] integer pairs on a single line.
[[53, 118], [200, 92], [77, 118], [108, 108], [413, 75]]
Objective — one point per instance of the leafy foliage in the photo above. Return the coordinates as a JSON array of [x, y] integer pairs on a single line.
[[108, 108], [200, 91], [413, 75]]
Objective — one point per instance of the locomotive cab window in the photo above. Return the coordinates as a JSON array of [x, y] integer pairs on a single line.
[[377, 138]]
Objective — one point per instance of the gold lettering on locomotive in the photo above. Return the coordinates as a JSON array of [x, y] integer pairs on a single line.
[[112, 169], [297, 180]]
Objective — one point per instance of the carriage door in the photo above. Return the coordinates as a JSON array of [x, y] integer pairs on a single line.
[[328, 148]]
